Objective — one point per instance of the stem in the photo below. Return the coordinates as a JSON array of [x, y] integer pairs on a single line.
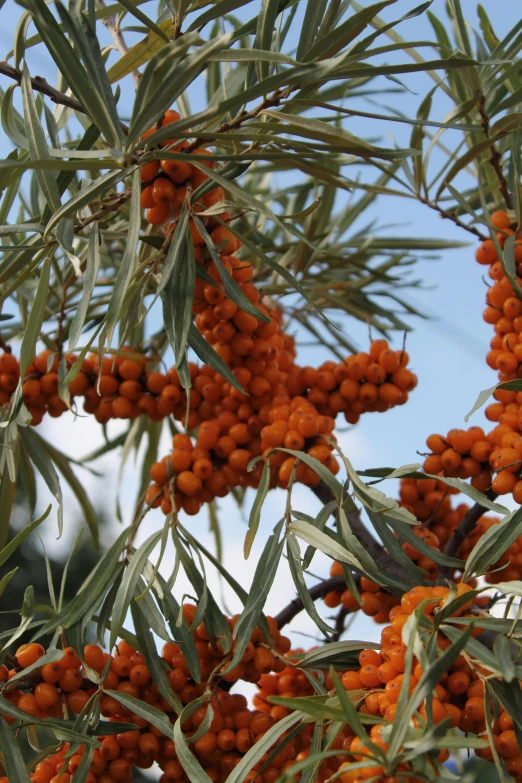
[[39, 84], [450, 216], [274, 100], [110, 206], [286, 615], [461, 532], [120, 44]]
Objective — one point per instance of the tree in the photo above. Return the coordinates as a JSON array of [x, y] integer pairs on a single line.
[[218, 230]]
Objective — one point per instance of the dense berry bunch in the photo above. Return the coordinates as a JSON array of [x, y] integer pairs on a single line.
[[503, 307], [374, 601], [64, 686], [168, 184], [365, 382], [283, 406], [429, 501]]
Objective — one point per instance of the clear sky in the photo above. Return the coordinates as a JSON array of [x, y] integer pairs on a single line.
[[447, 349]]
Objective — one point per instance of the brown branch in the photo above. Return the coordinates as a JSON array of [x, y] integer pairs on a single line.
[[450, 216], [267, 103], [495, 156], [461, 532], [466, 526], [339, 623], [374, 547], [41, 85], [109, 206], [286, 615]]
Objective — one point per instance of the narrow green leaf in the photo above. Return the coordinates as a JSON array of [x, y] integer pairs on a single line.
[[179, 628], [313, 17], [131, 575], [296, 569], [12, 122], [143, 710], [255, 511], [44, 465], [492, 545], [262, 582], [337, 654], [129, 260], [143, 18], [64, 466], [193, 769], [258, 750], [154, 662], [266, 24], [178, 284], [73, 71], [218, 11], [13, 759], [319, 540], [340, 36], [20, 537], [208, 355], [35, 319], [98, 187], [91, 273], [37, 143], [92, 589]]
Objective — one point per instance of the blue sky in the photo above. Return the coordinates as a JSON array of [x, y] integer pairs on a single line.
[[447, 350]]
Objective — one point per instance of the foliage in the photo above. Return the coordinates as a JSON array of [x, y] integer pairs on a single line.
[[257, 195]]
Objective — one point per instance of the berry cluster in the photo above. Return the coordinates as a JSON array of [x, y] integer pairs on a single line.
[[375, 601], [365, 382], [282, 406], [374, 687], [503, 307], [429, 500], [64, 685], [167, 185]]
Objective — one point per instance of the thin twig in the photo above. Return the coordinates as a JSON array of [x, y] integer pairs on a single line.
[[110, 206], [451, 216], [461, 532], [268, 102], [120, 44], [41, 85]]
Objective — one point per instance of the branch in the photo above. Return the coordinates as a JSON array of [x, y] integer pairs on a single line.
[[41, 85], [274, 100], [110, 206], [120, 44], [286, 615], [339, 623], [363, 535], [450, 216], [462, 531]]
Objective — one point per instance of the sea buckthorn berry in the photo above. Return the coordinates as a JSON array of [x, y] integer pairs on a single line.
[[28, 654]]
